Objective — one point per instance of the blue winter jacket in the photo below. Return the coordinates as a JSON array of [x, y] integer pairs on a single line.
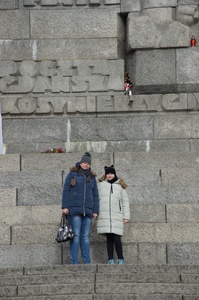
[[80, 193]]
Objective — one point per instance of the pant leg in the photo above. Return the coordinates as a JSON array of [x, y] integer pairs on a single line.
[[118, 245], [85, 239], [76, 223], [110, 245]]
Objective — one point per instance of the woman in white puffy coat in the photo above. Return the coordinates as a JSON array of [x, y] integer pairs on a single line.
[[114, 212]]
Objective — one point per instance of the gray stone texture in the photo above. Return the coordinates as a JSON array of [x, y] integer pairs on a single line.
[[23, 49], [62, 161], [179, 177], [28, 234], [160, 63], [156, 160], [176, 127], [62, 65], [28, 179], [59, 76], [148, 213], [187, 69], [29, 255], [14, 24], [4, 234], [10, 162], [187, 213], [73, 24], [189, 2], [117, 103], [147, 282], [158, 3], [147, 31], [100, 147], [162, 233], [70, 3], [49, 289], [187, 14], [183, 253], [74, 129], [129, 6], [163, 194], [33, 196], [8, 4], [7, 197], [30, 215]]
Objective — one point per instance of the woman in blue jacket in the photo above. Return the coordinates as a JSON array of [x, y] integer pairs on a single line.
[[80, 201]]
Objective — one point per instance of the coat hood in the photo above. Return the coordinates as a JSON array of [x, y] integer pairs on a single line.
[[120, 181], [77, 167]]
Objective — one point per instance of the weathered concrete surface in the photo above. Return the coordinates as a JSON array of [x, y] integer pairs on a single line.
[[27, 49], [7, 197], [32, 196], [91, 129], [29, 255], [145, 31], [160, 63], [74, 24], [14, 24], [30, 215], [8, 4], [61, 76], [27, 179], [163, 194], [10, 162]]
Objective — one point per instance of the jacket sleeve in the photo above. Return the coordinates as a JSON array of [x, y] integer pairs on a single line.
[[95, 198], [125, 205], [66, 191]]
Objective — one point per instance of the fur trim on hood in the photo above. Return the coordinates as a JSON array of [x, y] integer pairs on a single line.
[[76, 169], [120, 181]]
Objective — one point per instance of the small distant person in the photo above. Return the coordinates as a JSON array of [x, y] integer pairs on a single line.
[[80, 201], [114, 212], [128, 87], [193, 41]]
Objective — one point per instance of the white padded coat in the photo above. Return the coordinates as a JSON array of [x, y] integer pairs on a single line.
[[113, 207]]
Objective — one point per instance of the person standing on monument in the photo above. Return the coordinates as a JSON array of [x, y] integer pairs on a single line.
[[114, 212], [80, 201]]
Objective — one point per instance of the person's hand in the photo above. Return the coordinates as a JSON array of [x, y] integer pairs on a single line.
[[95, 216], [65, 211], [125, 221]]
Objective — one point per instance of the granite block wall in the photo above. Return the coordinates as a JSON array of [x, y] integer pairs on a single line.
[[62, 66]]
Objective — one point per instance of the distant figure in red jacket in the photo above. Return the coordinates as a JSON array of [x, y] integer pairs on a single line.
[[193, 41]]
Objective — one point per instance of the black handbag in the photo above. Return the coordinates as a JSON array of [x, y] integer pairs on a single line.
[[65, 232]]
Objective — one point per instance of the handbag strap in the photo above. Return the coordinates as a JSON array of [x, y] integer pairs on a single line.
[[64, 220]]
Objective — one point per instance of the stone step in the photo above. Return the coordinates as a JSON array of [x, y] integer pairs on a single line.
[[147, 195], [145, 213], [101, 281], [22, 179], [159, 128], [134, 253], [64, 161], [143, 177]]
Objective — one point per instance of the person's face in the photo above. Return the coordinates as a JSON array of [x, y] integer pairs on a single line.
[[110, 176], [85, 165]]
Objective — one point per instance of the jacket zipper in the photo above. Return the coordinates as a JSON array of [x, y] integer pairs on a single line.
[[84, 195], [119, 205], [110, 212]]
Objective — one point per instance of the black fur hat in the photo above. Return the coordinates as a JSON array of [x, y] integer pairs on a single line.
[[110, 170]]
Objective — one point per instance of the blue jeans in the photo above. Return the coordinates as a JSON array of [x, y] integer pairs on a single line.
[[81, 226]]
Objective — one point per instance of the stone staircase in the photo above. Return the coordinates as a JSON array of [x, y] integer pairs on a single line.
[[62, 67], [161, 243], [100, 282], [163, 191]]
